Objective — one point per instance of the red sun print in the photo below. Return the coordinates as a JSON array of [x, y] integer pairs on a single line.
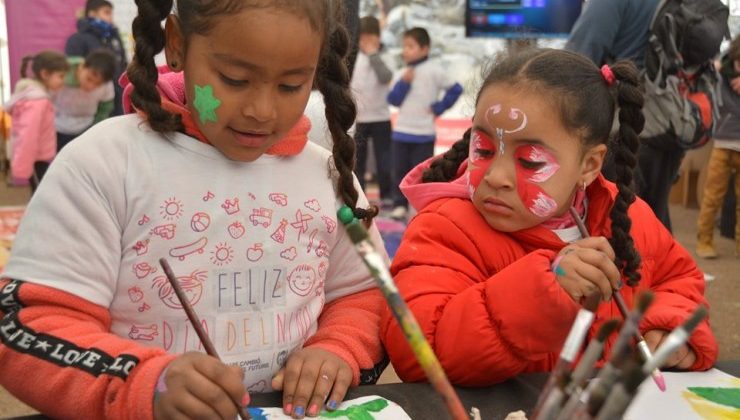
[[279, 198], [192, 285], [255, 253], [171, 209], [200, 222], [231, 206], [164, 231], [302, 279], [236, 230], [330, 224], [289, 254], [222, 254], [261, 216], [313, 204], [181, 252]]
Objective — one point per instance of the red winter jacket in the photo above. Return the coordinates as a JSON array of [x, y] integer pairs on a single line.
[[489, 303]]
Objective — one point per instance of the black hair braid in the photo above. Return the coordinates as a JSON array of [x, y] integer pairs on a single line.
[[142, 72], [631, 122], [444, 168], [333, 82]]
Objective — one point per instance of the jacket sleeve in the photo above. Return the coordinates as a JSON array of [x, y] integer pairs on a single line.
[[55, 343], [398, 93], [27, 117], [484, 328], [595, 30], [76, 46], [679, 288]]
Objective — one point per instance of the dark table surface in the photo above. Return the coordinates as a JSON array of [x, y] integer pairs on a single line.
[[421, 402]]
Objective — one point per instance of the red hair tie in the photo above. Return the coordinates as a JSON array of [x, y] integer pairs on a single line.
[[608, 74]]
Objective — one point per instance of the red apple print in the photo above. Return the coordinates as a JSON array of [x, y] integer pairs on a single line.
[[236, 230], [255, 253]]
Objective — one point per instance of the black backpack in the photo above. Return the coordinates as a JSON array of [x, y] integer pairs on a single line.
[[680, 80]]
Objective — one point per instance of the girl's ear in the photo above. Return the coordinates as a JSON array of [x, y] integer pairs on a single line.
[[174, 47], [593, 161]]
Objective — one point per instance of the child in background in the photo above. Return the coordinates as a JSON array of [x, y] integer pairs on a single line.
[[494, 267], [370, 80], [213, 172], [32, 138], [416, 93], [87, 95], [725, 157], [95, 31]]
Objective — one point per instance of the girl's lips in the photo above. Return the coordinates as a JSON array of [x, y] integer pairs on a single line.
[[250, 139], [497, 206]]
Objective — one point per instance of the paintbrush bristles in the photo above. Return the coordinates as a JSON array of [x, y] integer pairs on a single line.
[[699, 314], [591, 303], [644, 300], [607, 329]]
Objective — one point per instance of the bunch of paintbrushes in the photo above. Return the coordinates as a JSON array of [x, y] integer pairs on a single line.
[[406, 320], [569, 394]]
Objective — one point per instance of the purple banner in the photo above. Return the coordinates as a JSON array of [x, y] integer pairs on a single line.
[[35, 25]]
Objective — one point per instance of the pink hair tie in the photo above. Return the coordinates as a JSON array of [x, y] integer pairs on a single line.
[[608, 74]]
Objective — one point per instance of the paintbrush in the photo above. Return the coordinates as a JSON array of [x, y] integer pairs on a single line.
[[193, 317], [642, 345], [406, 320], [619, 399], [586, 367], [676, 339], [570, 349]]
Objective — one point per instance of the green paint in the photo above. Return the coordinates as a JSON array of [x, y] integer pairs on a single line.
[[206, 103], [359, 412], [559, 271], [723, 396]]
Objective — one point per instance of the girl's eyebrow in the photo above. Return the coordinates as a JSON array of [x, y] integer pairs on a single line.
[[485, 131], [234, 61]]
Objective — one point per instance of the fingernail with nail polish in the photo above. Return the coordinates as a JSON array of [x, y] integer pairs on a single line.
[[313, 410], [245, 400], [619, 285], [332, 405], [299, 411], [288, 409]]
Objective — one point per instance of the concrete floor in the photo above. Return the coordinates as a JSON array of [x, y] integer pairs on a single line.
[[723, 293]]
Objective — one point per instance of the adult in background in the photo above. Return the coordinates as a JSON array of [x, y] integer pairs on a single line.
[[95, 31]]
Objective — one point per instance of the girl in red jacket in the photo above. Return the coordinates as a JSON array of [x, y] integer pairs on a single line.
[[33, 138], [494, 267]]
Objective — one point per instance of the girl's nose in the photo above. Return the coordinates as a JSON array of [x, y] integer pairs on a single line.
[[261, 106], [500, 174]]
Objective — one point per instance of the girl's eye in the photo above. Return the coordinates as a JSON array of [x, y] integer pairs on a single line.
[[290, 88], [528, 164], [484, 153], [232, 82]]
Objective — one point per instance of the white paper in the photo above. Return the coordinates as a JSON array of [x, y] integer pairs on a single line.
[[391, 412], [678, 403]]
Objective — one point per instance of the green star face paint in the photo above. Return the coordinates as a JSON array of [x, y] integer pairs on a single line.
[[206, 104]]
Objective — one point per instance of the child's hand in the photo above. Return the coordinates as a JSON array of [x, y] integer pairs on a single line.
[[200, 386], [308, 377], [587, 265], [408, 75], [683, 358]]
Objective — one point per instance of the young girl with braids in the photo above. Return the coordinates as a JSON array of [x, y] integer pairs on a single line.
[[212, 171], [494, 267]]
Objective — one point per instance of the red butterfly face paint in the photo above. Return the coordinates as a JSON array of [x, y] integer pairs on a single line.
[[481, 153], [535, 165]]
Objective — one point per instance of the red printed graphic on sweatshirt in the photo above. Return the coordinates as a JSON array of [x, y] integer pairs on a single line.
[[143, 332], [141, 247], [164, 231], [289, 254], [331, 224], [144, 220], [143, 269], [135, 294], [252, 196], [301, 222], [255, 253], [258, 388], [302, 279], [261, 216], [231, 206], [209, 196], [311, 238], [313, 204], [200, 222], [279, 198], [192, 285], [222, 254], [323, 266], [279, 234], [181, 252], [236, 230], [171, 209], [144, 307], [322, 250]]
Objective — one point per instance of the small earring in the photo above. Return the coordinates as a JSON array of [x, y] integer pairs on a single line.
[[173, 64], [583, 186]]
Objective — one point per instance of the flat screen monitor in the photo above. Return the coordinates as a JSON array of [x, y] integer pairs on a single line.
[[521, 18]]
